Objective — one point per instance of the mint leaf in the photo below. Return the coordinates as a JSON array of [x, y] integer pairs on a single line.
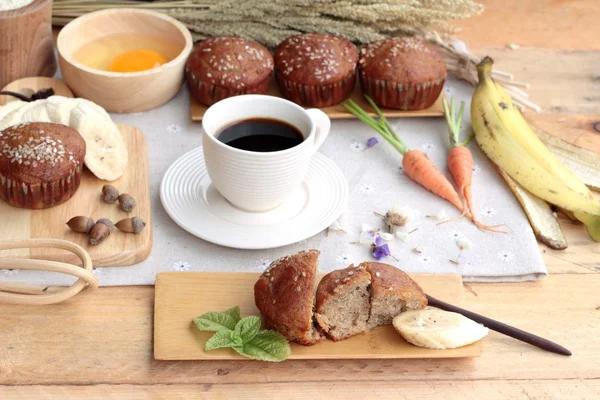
[[215, 322], [266, 346], [219, 340], [247, 328], [235, 313]]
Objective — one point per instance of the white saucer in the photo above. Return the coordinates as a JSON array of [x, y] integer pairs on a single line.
[[195, 205]]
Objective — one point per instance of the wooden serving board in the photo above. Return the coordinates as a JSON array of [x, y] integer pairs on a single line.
[[119, 248], [197, 110], [182, 296]]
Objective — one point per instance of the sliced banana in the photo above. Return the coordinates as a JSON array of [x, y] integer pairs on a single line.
[[34, 112], [106, 155], [437, 329]]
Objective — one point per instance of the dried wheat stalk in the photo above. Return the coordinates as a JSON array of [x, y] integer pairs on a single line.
[[361, 21]]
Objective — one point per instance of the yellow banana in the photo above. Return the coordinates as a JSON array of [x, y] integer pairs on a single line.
[[506, 138]]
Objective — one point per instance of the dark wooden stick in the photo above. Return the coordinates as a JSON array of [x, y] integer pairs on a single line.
[[502, 328]]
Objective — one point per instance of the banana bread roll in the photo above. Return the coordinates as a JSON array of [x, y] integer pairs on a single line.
[[359, 298]]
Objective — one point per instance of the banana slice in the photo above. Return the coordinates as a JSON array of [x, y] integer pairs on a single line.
[[106, 155], [59, 108], [437, 329]]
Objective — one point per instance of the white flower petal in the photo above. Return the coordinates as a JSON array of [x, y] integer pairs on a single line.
[[365, 228], [386, 236], [336, 226], [463, 243], [403, 236]]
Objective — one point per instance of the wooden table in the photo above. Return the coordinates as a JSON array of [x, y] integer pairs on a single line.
[[100, 345]]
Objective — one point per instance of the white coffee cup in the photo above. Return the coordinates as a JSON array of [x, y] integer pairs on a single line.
[[260, 181]]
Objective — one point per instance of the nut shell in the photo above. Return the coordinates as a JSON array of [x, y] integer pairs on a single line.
[[131, 225], [127, 202], [110, 194], [108, 223], [99, 232], [81, 224]]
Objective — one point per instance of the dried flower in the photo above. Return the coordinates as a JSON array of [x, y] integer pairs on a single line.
[[397, 217], [386, 236], [380, 251], [372, 142], [463, 243], [439, 216]]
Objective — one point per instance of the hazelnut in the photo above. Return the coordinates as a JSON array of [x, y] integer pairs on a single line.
[[81, 224], [127, 202], [110, 194], [100, 231], [131, 225]]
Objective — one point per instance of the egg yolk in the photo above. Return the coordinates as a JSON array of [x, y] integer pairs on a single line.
[[137, 60]]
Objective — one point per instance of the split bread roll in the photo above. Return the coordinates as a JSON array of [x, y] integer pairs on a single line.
[[359, 298], [284, 295], [348, 301], [106, 154]]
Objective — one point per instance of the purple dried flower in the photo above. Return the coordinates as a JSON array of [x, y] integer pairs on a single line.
[[378, 241], [372, 142], [380, 252]]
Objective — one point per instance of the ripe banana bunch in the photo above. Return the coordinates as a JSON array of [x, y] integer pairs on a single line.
[[508, 140]]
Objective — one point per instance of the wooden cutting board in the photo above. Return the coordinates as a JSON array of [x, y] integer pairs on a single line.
[[197, 110], [119, 248], [181, 296]]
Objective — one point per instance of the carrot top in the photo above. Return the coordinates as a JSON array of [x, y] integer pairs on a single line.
[[382, 126], [454, 123]]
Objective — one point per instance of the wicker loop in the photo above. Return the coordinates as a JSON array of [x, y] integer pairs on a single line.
[[20, 293]]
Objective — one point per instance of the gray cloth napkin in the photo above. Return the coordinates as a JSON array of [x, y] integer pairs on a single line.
[[376, 185]]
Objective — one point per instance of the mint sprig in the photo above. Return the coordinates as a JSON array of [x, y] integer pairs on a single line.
[[243, 335]]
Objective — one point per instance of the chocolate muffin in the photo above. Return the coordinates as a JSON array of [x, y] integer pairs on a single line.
[[316, 70], [401, 73], [228, 66], [40, 164]]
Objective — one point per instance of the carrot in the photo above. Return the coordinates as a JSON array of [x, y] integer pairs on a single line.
[[418, 167], [460, 161], [415, 163]]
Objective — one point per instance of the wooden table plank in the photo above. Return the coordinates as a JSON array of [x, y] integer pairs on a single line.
[[399, 390], [558, 24], [106, 337]]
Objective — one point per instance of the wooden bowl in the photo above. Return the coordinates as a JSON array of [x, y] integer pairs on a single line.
[[116, 91]]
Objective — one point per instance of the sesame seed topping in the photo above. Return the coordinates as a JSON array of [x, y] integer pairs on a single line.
[[296, 278], [390, 288], [274, 301], [303, 274], [272, 279], [337, 281], [377, 274], [351, 273], [298, 289]]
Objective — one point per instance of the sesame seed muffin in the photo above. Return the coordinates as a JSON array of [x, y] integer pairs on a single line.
[[401, 73], [40, 164], [228, 66], [316, 70]]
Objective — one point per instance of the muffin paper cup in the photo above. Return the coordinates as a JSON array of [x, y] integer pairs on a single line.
[[39, 195], [402, 96], [208, 93], [316, 95]]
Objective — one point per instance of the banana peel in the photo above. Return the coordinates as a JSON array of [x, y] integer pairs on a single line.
[[591, 222], [541, 218], [584, 163]]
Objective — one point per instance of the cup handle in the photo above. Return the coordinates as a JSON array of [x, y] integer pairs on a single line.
[[322, 126]]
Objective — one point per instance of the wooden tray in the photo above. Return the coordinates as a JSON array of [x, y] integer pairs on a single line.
[[119, 248], [197, 110], [181, 296]]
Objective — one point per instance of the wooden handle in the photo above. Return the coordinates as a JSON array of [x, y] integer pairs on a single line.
[[502, 328], [20, 293]]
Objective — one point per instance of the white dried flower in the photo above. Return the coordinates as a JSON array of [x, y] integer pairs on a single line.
[[401, 235], [463, 243], [439, 216], [386, 236]]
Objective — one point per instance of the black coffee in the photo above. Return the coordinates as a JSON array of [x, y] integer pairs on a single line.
[[261, 135]]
